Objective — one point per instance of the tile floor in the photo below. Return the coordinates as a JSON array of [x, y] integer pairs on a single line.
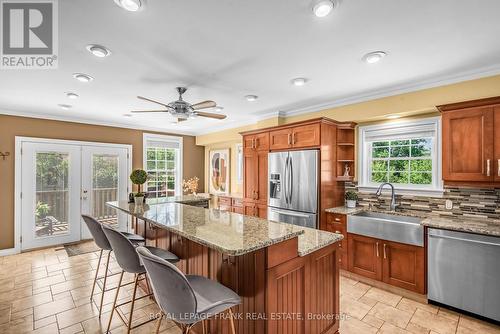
[[46, 291]]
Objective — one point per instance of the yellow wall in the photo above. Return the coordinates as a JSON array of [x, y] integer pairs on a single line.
[[414, 104]]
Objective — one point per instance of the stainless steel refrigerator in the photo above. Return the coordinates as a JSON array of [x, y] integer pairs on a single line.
[[293, 187]]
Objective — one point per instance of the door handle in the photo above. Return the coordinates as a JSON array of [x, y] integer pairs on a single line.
[[293, 138], [289, 139], [293, 214], [488, 167], [385, 253], [498, 167], [378, 255]]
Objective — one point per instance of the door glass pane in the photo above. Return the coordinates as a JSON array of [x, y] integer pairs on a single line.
[[52, 194], [104, 187]]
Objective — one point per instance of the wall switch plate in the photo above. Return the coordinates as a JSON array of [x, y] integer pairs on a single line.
[[448, 204]]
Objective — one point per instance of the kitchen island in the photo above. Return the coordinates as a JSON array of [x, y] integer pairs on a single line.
[[287, 276]]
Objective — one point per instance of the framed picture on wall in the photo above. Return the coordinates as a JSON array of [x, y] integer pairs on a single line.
[[239, 163], [219, 171]]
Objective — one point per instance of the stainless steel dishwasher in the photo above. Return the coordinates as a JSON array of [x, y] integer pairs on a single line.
[[464, 271]]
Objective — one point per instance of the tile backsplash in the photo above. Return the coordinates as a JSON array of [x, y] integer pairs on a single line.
[[483, 203]]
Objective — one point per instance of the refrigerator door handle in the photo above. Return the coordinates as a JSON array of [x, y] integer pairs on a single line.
[[285, 181], [288, 213], [291, 180]]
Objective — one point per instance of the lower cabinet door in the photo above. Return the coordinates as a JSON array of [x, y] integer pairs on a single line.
[[364, 256], [404, 266]]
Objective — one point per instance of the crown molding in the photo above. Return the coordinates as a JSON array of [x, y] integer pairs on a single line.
[[483, 72], [94, 122]]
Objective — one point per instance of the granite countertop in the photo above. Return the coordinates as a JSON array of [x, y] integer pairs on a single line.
[[312, 239], [473, 224], [486, 226], [179, 199]]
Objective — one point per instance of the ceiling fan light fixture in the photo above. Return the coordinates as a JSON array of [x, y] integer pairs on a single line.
[[131, 5], [218, 109], [251, 98], [98, 50], [374, 57], [82, 77], [323, 8]]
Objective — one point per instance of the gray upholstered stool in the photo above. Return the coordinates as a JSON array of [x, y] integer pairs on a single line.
[[95, 228], [179, 295], [129, 261]]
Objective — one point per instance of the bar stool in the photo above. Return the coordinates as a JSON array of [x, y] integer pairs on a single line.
[[95, 228], [129, 261], [186, 299]]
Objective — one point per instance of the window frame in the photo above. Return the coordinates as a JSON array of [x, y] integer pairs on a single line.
[[392, 130], [179, 159]]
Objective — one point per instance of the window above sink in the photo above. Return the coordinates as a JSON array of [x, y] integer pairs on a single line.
[[404, 153]]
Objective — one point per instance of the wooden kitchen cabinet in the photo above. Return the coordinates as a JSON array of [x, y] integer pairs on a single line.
[[255, 209], [231, 203], [497, 143], [337, 223], [255, 176], [256, 142], [391, 262], [404, 266], [295, 137], [364, 256], [471, 142]]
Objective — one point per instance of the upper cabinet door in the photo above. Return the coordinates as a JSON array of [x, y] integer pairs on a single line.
[[497, 144], [280, 139], [262, 141], [306, 136], [248, 143], [468, 145]]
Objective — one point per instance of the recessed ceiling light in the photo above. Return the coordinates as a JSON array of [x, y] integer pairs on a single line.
[[218, 108], [130, 5], [127, 115], [71, 95], [251, 98], [64, 106], [299, 81], [394, 116], [374, 57], [98, 50], [323, 7], [82, 77]]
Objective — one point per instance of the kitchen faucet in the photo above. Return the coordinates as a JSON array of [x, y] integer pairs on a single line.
[[393, 195]]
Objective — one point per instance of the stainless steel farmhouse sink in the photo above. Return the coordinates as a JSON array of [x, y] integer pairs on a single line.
[[403, 229]]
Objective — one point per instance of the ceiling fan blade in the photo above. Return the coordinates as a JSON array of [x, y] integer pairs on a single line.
[[142, 111], [204, 105], [146, 99], [210, 115], [181, 120]]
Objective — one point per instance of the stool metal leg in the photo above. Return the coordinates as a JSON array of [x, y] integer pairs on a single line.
[[96, 272], [232, 321], [104, 284], [132, 304], [114, 302], [158, 323]]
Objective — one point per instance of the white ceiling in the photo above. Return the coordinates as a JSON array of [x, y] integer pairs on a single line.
[[225, 49]]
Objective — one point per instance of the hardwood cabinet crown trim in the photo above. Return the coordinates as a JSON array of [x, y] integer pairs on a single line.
[[490, 101], [305, 122]]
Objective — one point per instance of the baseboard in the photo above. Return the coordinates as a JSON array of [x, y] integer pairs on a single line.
[[9, 251]]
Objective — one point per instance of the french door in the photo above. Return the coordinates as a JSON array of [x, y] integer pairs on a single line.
[[60, 181]]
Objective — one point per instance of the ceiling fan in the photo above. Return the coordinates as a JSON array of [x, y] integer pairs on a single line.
[[183, 110]]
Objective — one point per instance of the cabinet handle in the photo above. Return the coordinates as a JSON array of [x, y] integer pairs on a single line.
[[293, 138], [289, 139], [498, 167], [385, 253], [256, 142], [337, 219], [377, 250], [488, 167]]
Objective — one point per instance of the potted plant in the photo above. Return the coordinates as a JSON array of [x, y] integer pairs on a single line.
[[351, 197], [139, 177]]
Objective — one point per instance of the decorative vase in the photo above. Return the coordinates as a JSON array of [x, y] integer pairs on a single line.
[[351, 203], [139, 200]]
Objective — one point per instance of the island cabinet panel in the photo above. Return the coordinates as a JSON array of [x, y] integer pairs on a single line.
[[364, 256], [303, 294]]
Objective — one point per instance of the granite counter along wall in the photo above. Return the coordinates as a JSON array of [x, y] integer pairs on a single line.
[[480, 203]]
